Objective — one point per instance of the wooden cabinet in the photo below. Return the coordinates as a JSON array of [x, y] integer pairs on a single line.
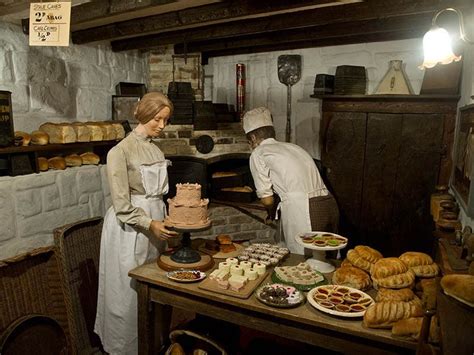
[[383, 156]]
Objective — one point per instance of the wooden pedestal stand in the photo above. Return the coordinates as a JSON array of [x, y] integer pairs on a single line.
[[186, 257]]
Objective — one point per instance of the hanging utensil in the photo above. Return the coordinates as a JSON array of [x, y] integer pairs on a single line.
[[289, 73]]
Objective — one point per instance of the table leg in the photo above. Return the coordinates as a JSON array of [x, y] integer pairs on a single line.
[[162, 319]]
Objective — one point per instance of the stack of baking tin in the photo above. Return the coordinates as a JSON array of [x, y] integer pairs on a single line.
[[182, 96], [350, 80]]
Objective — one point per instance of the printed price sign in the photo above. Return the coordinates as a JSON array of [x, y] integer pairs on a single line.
[[50, 23]]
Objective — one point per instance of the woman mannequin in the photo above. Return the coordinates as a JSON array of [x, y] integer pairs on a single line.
[[134, 232]]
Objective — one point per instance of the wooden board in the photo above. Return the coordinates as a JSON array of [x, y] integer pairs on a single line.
[[211, 285], [221, 255]]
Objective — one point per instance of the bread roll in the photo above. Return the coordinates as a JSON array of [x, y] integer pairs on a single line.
[[96, 131], [363, 257], [57, 163], [83, 132], [39, 138], [413, 258], [388, 267], [352, 277], [73, 160], [43, 164], [401, 295], [90, 158], [59, 133], [385, 314], [459, 286], [411, 328], [25, 137]]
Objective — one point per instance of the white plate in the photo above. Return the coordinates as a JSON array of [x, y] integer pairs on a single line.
[[316, 305], [172, 275], [323, 248]]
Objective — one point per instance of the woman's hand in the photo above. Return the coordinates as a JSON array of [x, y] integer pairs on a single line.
[[158, 228]]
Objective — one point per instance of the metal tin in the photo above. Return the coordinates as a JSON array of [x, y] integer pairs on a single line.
[[240, 87], [7, 133]]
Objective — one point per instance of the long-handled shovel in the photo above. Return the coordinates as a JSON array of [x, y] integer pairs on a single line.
[[289, 73]]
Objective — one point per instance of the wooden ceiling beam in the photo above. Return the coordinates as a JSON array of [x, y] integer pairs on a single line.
[[197, 16], [368, 10], [388, 25], [333, 41]]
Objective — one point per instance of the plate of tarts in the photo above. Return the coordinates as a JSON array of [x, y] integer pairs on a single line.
[[339, 301], [186, 275], [322, 241]]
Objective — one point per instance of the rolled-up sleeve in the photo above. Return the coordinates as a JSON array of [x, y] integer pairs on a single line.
[[117, 176], [261, 175]]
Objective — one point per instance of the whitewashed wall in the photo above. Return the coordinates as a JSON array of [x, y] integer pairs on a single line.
[[74, 83]]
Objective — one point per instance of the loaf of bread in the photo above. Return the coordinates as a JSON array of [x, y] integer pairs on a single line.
[[59, 133], [90, 158], [388, 267], [25, 137], [108, 131], [363, 257], [39, 138], [460, 287], [385, 314], [411, 328], [57, 163], [352, 277], [73, 160], [403, 295], [43, 164], [413, 258], [83, 132], [119, 130], [96, 131], [402, 280]]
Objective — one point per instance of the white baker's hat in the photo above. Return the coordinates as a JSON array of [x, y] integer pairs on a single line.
[[256, 118]]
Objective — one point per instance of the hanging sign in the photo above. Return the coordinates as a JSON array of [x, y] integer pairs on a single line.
[[50, 23]]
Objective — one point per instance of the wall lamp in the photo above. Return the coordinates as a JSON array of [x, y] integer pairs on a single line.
[[437, 42]]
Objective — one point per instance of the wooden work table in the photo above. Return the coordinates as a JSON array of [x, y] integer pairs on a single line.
[[157, 295]]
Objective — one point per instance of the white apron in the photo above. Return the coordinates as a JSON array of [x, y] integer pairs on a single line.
[[295, 217], [123, 248]]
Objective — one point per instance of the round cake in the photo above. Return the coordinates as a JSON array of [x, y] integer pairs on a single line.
[[187, 209]]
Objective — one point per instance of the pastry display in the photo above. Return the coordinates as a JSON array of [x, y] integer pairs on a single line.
[[323, 239], [363, 257], [391, 273], [352, 277], [403, 295], [186, 275], [187, 209], [264, 253], [460, 287], [340, 300], [385, 314], [278, 295], [420, 263], [301, 276]]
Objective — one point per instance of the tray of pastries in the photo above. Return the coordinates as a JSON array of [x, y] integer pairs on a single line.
[[301, 276], [265, 253], [322, 241], [340, 301], [280, 296]]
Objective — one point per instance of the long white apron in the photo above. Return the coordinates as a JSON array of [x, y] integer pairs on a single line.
[[295, 217], [123, 248]]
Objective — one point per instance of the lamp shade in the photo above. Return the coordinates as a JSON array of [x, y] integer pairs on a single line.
[[437, 48]]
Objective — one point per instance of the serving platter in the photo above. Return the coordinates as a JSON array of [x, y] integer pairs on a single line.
[[353, 300], [186, 275], [293, 297], [330, 241], [300, 287]]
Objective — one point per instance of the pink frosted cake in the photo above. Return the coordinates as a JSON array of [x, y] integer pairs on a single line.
[[187, 209]]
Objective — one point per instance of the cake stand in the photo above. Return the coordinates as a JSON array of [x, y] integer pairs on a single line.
[[319, 261], [186, 257]]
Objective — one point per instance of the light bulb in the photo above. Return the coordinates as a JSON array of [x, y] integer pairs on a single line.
[[437, 48]]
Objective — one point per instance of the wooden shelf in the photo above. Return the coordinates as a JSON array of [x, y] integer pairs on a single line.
[[55, 147], [387, 97]]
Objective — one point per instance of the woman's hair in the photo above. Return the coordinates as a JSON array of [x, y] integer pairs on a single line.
[[150, 104], [262, 133]]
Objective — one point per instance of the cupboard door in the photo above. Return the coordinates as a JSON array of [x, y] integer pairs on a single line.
[[384, 139], [342, 154], [419, 163]]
